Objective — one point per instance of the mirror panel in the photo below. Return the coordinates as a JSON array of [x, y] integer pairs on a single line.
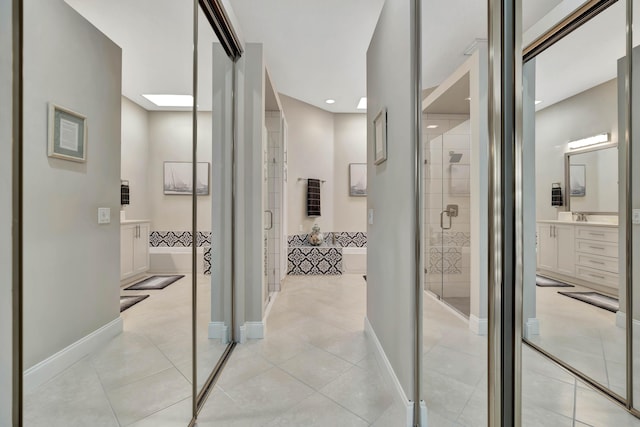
[[593, 173], [97, 218], [212, 310], [631, 161], [578, 257]]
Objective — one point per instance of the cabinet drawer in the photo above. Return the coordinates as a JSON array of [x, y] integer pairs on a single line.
[[596, 276], [601, 234], [597, 248], [598, 262]]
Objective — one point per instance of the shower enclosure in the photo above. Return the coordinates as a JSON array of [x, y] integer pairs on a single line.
[[447, 230]]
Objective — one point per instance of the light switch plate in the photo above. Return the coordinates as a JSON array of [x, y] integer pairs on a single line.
[[636, 216], [104, 215], [370, 216]]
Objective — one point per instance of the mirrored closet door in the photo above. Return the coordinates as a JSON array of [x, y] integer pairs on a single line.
[[577, 116], [117, 221]]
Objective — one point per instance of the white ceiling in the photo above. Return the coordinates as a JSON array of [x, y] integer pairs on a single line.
[[316, 49]]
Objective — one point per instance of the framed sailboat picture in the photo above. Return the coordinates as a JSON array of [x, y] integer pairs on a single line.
[[178, 178]]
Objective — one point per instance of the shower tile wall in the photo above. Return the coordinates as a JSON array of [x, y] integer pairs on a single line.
[[447, 255], [275, 184]]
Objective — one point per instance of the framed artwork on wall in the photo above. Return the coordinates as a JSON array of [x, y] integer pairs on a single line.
[[178, 178], [578, 180], [380, 136], [357, 179], [67, 137]]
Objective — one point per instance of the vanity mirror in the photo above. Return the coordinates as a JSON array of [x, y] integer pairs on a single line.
[[591, 179]]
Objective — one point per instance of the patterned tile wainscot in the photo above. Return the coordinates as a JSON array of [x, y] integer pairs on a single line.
[[183, 239], [178, 238], [207, 260], [311, 260]]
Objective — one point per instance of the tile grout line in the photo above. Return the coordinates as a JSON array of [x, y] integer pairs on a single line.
[[575, 400]]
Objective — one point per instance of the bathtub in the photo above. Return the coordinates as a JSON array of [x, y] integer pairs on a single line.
[[168, 260], [354, 260]]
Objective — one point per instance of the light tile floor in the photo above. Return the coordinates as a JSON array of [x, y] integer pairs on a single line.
[[455, 381], [582, 335], [139, 377], [314, 368]]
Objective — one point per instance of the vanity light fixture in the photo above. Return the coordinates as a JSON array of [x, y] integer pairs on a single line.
[[362, 105], [166, 100], [585, 142], [432, 126], [330, 101]]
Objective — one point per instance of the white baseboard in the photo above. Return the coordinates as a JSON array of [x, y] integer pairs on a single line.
[[478, 326], [389, 375], [621, 320], [531, 327], [254, 330], [424, 419], [219, 331], [42, 372]]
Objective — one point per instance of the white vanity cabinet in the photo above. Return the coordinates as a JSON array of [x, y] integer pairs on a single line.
[[583, 253], [556, 248], [134, 248], [597, 255]]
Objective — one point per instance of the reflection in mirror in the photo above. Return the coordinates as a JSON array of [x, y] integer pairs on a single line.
[[212, 318], [455, 299], [593, 173], [632, 162], [98, 351], [574, 283]]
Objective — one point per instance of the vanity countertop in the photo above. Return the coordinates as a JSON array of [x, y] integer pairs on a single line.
[[134, 221], [580, 223]]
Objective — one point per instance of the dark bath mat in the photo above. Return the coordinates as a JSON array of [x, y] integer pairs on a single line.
[[595, 298], [154, 282], [544, 282], [127, 301]]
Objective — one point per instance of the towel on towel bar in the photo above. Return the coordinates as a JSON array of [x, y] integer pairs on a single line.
[[556, 195], [313, 197]]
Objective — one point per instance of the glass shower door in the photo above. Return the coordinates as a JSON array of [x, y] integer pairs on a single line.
[[447, 175]]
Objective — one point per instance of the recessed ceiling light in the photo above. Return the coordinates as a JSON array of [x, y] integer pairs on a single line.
[[432, 126], [362, 105], [330, 101], [538, 102], [166, 100]]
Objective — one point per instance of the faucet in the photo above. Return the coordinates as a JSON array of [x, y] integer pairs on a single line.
[[580, 216]]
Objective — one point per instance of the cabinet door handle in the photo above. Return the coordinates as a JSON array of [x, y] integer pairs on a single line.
[[597, 234], [600, 248], [596, 262], [596, 276]]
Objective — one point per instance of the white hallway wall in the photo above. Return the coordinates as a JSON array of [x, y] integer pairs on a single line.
[[5, 213], [391, 269], [321, 145]]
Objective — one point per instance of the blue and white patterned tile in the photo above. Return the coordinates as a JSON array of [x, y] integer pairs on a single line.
[[315, 261], [207, 260], [177, 238], [356, 239], [445, 260]]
